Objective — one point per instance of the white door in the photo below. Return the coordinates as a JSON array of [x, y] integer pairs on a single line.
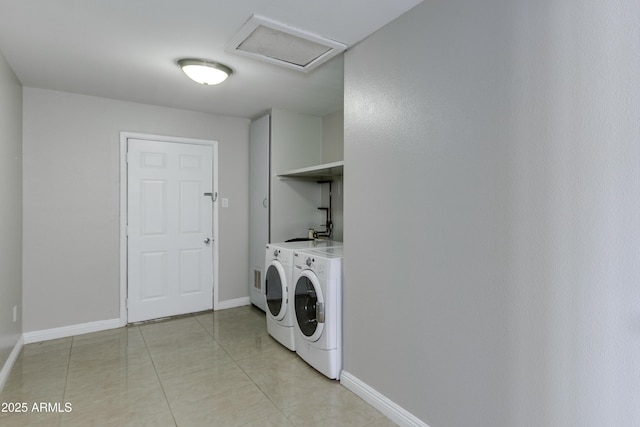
[[170, 229]]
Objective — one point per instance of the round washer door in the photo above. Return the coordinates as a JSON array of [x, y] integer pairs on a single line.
[[276, 291], [309, 305]]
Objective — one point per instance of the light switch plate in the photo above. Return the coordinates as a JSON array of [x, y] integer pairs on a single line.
[[225, 203]]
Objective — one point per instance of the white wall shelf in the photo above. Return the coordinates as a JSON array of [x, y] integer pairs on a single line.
[[318, 171]]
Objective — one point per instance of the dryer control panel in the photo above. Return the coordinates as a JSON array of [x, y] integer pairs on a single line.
[[304, 261]]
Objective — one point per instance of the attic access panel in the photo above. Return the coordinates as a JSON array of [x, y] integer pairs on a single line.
[[270, 41]]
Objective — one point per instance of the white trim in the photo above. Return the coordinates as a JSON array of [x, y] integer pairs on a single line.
[[124, 137], [233, 303], [11, 360], [391, 409], [70, 331]]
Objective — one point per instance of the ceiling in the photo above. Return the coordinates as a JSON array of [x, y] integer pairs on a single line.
[[127, 49]]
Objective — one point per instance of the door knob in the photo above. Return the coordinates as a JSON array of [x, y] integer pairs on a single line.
[[207, 240]]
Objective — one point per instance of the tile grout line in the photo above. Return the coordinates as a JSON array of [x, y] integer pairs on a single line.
[[153, 363], [261, 390], [216, 341], [245, 372], [265, 394], [66, 378]]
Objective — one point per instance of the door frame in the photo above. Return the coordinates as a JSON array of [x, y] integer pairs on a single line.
[[124, 138]]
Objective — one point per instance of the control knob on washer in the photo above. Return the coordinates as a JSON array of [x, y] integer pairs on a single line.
[[309, 261]]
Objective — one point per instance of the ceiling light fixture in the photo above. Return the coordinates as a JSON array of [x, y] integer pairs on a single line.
[[204, 72]]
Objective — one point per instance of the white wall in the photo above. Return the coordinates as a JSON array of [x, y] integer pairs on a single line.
[[333, 151], [333, 137], [491, 272], [10, 209], [71, 201], [296, 142]]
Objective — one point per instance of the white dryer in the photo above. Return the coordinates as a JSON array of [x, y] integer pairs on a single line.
[[279, 287], [318, 308]]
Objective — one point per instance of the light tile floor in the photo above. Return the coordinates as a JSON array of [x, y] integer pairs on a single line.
[[209, 369]]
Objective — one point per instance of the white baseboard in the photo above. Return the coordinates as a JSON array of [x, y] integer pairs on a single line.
[[103, 325], [71, 330], [233, 303], [374, 398], [8, 365]]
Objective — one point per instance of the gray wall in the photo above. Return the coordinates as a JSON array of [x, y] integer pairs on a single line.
[[71, 201], [10, 209], [491, 272]]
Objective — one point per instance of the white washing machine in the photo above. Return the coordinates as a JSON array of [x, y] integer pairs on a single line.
[[279, 287], [317, 305]]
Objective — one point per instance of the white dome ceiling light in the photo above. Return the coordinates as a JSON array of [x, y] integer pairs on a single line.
[[204, 71]]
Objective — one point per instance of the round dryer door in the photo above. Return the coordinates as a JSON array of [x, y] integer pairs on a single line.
[[309, 304], [276, 291]]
